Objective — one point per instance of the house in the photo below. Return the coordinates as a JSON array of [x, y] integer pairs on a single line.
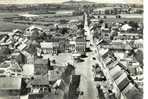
[[137, 44], [105, 34], [21, 46], [122, 81], [131, 92], [48, 47], [134, 68], [72, 46], [30, 57], [40, 67], [60, 84], [127, 36], [19, 57], [55, 73], [117, 46], [80, 44], [11, 86], [126, 27], [17, 31], [10, 68], [73, 92], [39, 85]]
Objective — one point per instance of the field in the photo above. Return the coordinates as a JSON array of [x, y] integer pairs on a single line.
[[52, 18], [8, 27], [6, 14], [42, 19], [109, 20]]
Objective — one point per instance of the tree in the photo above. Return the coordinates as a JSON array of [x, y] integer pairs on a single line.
[[133, 24], [80, 26], [139, 56], [43, 36], [63, 31], [101, 21], [35, 35]]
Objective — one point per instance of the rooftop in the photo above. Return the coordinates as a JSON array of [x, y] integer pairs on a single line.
[[7, 83], [42, 80]]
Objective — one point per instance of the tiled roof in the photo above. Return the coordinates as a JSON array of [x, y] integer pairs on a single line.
[[123, 84], [121, 78]]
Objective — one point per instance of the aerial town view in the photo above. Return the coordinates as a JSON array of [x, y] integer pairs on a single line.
[[74, 49]]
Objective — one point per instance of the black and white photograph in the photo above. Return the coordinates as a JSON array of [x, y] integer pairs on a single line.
[[71, 49]]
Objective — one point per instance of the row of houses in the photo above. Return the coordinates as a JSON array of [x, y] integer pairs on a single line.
[[120, 75], [63, 45]]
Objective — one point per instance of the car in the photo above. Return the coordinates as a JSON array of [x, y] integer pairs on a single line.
[[83, 55], [91, 45], [103, 78], [79, 60], [81, 93], [94, 58], [99, 77]]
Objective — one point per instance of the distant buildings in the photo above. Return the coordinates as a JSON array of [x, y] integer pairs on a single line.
[[117, 10], [78, 3], [105, 11]]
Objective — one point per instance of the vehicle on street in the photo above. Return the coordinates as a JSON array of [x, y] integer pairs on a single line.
[[94, 58]]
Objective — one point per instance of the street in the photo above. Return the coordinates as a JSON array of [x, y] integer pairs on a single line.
[[87, 84]]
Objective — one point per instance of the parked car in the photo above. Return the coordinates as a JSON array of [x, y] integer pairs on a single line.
[[79, 60], [99, 76], [94, 58]]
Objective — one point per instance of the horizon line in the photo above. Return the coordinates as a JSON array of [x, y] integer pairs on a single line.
[[18, 2]]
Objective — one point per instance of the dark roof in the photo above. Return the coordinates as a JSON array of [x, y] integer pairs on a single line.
[[75, 82], [80, 39], [4, 51], [134, 94], [10, 83], [43, 80], [123, 84]]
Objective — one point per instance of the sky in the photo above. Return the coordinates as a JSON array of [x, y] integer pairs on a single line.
[[60, 1]]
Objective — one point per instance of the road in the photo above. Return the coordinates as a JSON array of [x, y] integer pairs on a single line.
[[85, 69], [87, 84], [110, 82]]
